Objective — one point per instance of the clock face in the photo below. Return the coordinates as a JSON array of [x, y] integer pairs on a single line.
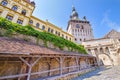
[[77, 26]]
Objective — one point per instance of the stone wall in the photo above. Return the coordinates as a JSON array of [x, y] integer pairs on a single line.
[[105, 50], [13, 66]]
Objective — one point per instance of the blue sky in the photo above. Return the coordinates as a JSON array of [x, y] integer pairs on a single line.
[[103, 15]]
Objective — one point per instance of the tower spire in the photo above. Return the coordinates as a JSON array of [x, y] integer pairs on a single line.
[[73, 8], [74, 14]]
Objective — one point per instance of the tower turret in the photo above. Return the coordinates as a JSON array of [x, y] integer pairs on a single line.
[[74, 14]]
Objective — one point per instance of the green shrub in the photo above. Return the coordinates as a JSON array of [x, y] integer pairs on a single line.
[[45, 36]]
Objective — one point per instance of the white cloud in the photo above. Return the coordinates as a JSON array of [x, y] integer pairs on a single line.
[[107, 21]]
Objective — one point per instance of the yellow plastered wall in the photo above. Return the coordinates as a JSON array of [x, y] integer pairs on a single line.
[[22, 4]]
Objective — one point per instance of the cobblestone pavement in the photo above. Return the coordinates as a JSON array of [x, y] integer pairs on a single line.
[[102, 73]]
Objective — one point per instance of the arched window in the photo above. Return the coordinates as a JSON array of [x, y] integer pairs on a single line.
[[37, 25], [66, 37], [63, 35], [31, 22], [14, 8], [58, 33], [43, 27], [52, 30], [24, 12], [4, 2], [49, 29]]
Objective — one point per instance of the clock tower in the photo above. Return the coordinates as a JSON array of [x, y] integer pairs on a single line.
[[79, 28]]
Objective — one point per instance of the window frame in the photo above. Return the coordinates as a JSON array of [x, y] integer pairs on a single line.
[[77, 26], [30, 22], [20, 21], [43, 27], [4, 2], [8, 17], [23, 13], [37, 25], [15, 8]]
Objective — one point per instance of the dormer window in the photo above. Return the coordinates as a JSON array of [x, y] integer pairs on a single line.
[[4, 2], [24, 12], [14, 8]]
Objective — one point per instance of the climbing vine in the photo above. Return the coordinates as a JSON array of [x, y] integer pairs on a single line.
[[60, 42]]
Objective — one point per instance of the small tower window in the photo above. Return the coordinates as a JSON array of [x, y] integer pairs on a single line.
[[4, 2], [31, 22], [19, 21], [37, 25], [77, 26], [82, 27], [14, 8], [84, 39], [80, 39], [72, 30], [24, 12], [8, 17]]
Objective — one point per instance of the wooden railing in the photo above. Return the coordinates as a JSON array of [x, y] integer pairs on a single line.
[[35, 73]]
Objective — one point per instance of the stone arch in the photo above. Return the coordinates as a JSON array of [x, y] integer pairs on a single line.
[[89, 51], [96, 51], [107, 50], [101, 51], [106, 59]]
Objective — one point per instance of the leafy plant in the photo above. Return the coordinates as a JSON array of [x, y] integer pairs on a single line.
[[45, 36]]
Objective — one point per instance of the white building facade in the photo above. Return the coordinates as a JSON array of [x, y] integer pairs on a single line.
[[80, 29]]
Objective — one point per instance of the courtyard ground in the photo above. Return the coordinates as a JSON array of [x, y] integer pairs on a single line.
[[102, 73]]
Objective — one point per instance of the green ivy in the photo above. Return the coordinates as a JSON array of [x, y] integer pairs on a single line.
[[45, 36]]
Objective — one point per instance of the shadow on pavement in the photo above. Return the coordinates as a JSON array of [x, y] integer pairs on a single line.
[[92, 73]]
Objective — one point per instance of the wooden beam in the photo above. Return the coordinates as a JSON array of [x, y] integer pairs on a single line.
[[13, 76], [25, 61], [30, 65], [77, 60], [61, 64]]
